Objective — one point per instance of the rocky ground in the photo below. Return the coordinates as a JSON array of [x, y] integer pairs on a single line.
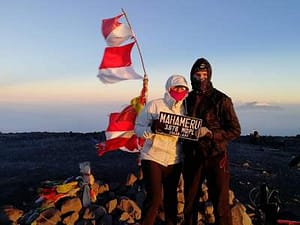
[[27, 159]]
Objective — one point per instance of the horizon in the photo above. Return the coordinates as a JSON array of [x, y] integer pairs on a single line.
[[72, 132], [87, 118]]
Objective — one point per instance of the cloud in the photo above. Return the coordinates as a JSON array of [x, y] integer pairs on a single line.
[[258, 106]]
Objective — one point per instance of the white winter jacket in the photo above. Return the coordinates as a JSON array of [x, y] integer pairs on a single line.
[[163, 149]]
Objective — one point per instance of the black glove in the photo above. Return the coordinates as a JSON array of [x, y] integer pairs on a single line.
[[157, 126]]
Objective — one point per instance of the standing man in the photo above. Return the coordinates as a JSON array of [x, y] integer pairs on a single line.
[[207, 157]]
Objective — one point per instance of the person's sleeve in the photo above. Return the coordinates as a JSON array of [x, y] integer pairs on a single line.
[[231, 128], [143, 122]]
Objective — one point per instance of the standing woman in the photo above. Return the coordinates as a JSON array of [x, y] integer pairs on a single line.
[[161, 156]]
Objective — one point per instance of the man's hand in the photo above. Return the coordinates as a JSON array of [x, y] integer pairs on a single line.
[[156, 126], [204, 132]]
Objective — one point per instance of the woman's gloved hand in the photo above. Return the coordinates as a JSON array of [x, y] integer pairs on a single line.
[[157, 126]]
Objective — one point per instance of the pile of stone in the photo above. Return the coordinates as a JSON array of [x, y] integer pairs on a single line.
[[84, 201], [69, 205]]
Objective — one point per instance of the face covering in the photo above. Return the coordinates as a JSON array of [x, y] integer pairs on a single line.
[[203, 85], [178, 96]]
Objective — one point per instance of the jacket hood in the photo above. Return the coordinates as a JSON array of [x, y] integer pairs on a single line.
[[199, 64], [176, 80]]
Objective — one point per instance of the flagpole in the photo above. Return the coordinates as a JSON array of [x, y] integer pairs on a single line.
[[137, 45]]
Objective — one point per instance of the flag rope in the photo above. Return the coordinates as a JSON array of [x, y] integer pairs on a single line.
[[137, 44]]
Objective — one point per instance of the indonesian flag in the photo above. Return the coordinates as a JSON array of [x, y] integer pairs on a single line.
[[120, 131], [116, 65], [120, 136], [114, 32]]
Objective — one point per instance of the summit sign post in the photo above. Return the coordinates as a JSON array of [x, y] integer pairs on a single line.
[[178, 125]]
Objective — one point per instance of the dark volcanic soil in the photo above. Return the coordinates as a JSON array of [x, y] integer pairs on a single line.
[[27, 159]]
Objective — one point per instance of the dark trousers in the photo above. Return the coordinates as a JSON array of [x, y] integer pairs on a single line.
[[215, 171], [158, 180]]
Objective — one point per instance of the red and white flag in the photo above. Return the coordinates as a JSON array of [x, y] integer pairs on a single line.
[[120, 136], [114, 32], [116, 65]]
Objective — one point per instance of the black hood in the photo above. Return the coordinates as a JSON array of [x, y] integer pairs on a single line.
[[200, 63]]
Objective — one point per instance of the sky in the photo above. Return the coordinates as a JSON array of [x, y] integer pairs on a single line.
[[50, 52]]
